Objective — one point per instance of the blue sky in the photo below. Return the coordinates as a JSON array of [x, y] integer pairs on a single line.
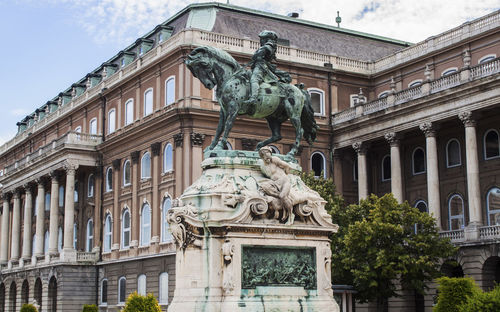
[[49, 44]]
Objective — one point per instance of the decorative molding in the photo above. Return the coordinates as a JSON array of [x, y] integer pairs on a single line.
[[392, 138], [156, 148], [467, 119], [428, 129], [197, 139], [178, 139], [134, 156]]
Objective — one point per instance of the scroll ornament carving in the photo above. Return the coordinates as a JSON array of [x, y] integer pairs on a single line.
[[178, 139], [391, 138], [466, 118], [197, 139], [227, 253], [181, 231], [427, 129], [359, 147]]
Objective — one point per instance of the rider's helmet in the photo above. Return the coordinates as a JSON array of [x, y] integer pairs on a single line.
[[268, 34]]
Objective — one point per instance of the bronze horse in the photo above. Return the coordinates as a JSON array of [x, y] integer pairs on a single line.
[[276, 103]]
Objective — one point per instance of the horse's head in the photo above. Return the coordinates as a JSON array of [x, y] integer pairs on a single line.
[[199, 63]]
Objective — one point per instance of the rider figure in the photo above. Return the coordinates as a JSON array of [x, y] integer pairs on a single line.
[[262, 68]]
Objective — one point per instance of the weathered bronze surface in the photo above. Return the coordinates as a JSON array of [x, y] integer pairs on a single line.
[[264, 92], [278, 266]]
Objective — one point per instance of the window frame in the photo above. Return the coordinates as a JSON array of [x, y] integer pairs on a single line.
[[101, 302], [484, 144], [324, 163], [143, 225], [143, 176], [125, 183], [146, 113], [354, 99], [487, 58], [415, 83], [108, 235], [46, 243], [111, 121], [124, 229], [120, 279], [413, 161], [385, 179], [92, 122], [91, 190], [171, 78], [142, 279], [321, 100], [109, 172], [89, 236], [161, 300], [355, 169], [488, 210], [60, 237], [129, 103], [62, 195], [450, 218], [449, 71], [164, 224], [459, 153], [165, 160], [383, 94]]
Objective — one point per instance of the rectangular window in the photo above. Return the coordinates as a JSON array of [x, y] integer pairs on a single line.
[[93, 126], [129, 112], [111, 121], [148, 102]]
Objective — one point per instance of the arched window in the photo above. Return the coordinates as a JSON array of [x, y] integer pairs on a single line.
[[386, 168], [59, 239], [146, 166], [317, 100], [415, 83], [163, 288], [493, 206], [91, 185], [148, 102], [318, 164], [421, 205], [112, 121], [61, 196], [126, 229], [145, 225], [486, 58], [108, 233], [167, 158], [355, 169], [104, 291], [456, 212], [129, 112], [418, 161], [274, 149], [453, 157], [383, 94], [491, 144], [47, 202], [89, 242], [166, 236], [75, 193], [449, 71], [78, 129], [75, 235], [170, 90], [46, 243], [93, 126], [126, 173], [122, 289], [141, 285], [109, 179]]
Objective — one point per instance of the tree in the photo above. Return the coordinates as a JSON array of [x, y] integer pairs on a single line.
[[393, 243], [138, 303]]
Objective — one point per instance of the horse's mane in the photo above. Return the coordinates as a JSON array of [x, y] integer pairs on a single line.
[[223, 57]]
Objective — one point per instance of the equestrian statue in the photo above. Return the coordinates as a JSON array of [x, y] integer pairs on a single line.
[[263, 92]]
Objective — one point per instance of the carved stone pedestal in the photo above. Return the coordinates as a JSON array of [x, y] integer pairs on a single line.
[[239, 248]]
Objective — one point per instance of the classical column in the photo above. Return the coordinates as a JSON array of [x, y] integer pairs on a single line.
[[4, 246], [432, 171], [155, 172], [28, 212], [40, 218], [473, 189], [136, 206], [361, 149], [69, 211], [54, 212], [337, 171], [197, 154], [178, 165], [16, 226], [396, 172]]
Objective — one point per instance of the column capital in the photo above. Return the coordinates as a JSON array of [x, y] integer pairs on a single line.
[[54, 176], [6, 196], [428, 129], [41, 181], [467, 118], [178, 139], [28, 187], [156, 148], [360, 147], [392, 138], [70, 168], [197, 139], [135, 156], [17, 193], [116, 164]]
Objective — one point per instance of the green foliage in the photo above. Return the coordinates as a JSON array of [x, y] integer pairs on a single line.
[[89, 308], [28, 308], [483, 301], [454, 292], [138, 303], [384, 248]]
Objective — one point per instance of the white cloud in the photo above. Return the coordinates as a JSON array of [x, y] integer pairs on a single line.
[[123, 21], [19, 112]]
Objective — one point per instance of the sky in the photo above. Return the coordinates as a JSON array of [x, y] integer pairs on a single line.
[[46, 45]]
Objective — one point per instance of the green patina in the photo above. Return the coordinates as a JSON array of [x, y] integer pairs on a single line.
[[278, 266]]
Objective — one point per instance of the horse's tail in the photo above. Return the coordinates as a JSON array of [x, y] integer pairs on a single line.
[[307, 117]]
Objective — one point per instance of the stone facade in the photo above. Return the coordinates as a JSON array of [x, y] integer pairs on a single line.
[[116, 148]]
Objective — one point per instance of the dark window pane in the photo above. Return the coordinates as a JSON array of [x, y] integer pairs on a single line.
[[491, 142], [317, 164], [104, 298], [316, 102], [386, 170], [453, 153], [122, 290], [418, 161]]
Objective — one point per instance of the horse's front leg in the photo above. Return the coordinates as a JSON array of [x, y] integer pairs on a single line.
[[218, 132], [275, 126], [231, 114]]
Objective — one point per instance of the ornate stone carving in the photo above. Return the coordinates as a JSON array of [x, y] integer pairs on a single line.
[[327, 259], [227, 253], [466, 58], [70, 168], [392, 138], [178, 139], [134, 156], [156, 148], [180, 230], [427, 129], [116, 164], [466, 118], [248, 144], [360, 147], [197, 139]]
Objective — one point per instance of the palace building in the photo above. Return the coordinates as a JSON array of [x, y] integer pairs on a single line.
[[87, 181]]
